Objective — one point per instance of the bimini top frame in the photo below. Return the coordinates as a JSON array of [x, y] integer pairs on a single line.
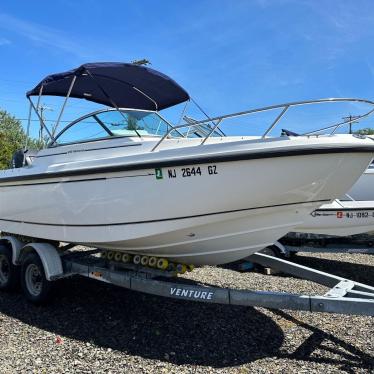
[[112, 84], [217, 121]]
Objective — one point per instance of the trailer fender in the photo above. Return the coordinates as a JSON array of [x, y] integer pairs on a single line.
[[49, 256], [16, 246], [281, 248]]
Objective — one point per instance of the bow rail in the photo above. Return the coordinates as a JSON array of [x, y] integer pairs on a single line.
[[217, 121]]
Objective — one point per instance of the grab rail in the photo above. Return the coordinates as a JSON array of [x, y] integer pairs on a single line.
[[285, 107]]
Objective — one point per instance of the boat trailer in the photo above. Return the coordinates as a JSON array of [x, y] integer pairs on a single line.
[[344, 296], [317, 243]]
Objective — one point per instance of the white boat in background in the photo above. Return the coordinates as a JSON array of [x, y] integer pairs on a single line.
[[345, 217], [363, 189], [126, 179], [340, 218]]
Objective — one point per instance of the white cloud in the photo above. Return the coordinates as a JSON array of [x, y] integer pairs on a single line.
[[40, 35]]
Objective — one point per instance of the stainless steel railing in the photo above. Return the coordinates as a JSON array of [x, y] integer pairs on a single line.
[[217, 121]]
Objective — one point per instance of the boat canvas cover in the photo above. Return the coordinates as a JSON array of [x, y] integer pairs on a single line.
[[115, 84]]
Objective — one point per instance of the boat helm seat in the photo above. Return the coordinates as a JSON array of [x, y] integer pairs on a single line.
[[23, 158]]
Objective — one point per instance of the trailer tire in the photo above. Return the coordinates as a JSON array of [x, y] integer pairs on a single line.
[[9, 273], [272, 250], [35, 286]]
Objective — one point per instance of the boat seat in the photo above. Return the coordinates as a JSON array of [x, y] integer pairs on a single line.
[[286, 132], [23, 158]]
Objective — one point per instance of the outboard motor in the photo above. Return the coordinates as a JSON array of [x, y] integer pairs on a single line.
[[18, 159], [23, 158]]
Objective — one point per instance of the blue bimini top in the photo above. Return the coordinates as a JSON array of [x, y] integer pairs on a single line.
[[115, 84]]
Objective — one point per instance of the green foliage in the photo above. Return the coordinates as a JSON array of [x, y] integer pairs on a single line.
[[12, 138], [366, 131]]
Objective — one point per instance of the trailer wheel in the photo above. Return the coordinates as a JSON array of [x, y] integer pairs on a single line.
[[36, 288], [271, 251], [9, 273]]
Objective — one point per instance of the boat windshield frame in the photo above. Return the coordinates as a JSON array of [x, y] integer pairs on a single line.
[[54, 141]]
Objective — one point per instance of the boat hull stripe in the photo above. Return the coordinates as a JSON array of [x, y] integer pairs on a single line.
[[164, 219], [188, 161]]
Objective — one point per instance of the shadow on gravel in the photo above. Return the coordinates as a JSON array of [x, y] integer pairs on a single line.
[[177, 331], [357, 272], [346, 356]]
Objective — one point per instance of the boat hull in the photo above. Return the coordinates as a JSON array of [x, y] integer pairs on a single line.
[[363, 189], [224, 213], [341, 218]]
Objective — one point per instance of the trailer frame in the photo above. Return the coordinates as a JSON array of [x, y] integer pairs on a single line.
[[321, 243], [344, 296]]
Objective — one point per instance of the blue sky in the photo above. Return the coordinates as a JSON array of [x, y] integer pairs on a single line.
[[229, 55]]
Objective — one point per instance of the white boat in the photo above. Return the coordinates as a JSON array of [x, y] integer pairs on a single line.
[[351, 215], [340, 218], [126, 179], [363, 189]]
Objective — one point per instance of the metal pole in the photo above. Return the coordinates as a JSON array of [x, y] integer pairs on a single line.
[[37, 110], [276, 121], [351, 120], [209, 119], [41, 120], [64, 104], [182, 116], [28, 127], [39, 97], [211, 131], [109, 98], [148, 97], [183, 112]]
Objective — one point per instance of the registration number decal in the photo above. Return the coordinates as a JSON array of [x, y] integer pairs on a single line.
[[354, 214], [191, 171], [186, 172], [158, 173], [341, 214]]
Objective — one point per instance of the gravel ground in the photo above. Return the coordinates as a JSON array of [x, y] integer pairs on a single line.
[[93, 327]]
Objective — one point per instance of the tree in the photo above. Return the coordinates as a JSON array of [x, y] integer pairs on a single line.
[[12, 138], [366, 131]]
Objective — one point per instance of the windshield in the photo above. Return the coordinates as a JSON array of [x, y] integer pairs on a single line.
[[112, 123], [201, 131]]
